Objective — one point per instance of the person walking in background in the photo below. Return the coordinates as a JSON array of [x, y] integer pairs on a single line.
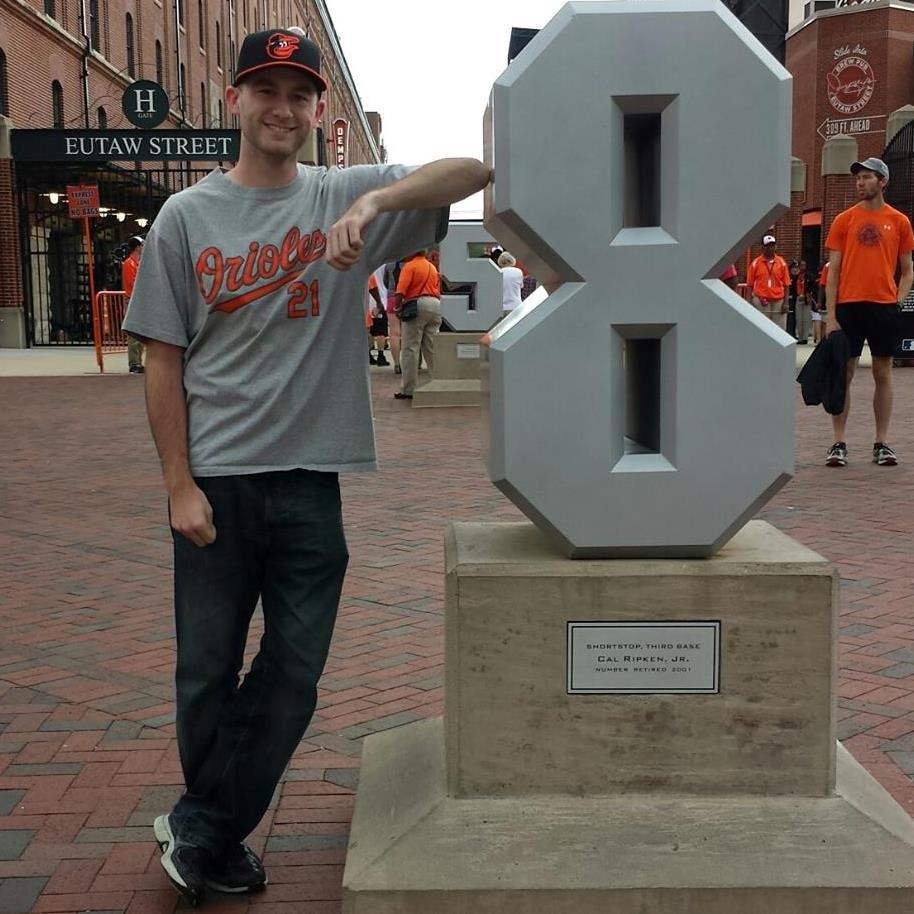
[[512, 281], [377, 323], [129, 268], [257, 391], [818, 306], [768, 279], [868, 243], [391, 273], [730, 278], [800, 289], [418, 280]]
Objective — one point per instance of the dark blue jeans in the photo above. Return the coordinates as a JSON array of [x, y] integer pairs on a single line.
[[279, 537]]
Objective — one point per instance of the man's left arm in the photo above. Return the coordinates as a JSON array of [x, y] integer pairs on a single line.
[[429, 187], [907, 276]]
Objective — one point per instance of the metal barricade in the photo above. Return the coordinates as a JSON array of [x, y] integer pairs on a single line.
[[108, 311]]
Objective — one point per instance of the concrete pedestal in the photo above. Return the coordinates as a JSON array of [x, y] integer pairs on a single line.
[[528, 800], [457, 373], [12, 328]]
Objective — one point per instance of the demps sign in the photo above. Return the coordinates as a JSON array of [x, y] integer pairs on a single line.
[[124, 145]]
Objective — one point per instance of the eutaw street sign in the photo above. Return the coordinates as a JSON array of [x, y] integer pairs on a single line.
[[124, 145]]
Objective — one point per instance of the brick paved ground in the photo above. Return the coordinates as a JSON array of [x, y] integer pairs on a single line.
[[87, 754]]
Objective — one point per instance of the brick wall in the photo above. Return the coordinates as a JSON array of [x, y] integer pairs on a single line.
[[10, 276], [838, 193], [40, 49], [887, 35], [789, 228]]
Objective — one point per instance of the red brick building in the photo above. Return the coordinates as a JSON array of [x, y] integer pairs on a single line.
[[853, 66], [58, 71]]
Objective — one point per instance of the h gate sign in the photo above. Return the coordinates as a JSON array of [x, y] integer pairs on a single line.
[[642, 408]]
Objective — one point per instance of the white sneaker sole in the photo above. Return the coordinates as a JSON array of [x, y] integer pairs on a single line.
[[166, 841]]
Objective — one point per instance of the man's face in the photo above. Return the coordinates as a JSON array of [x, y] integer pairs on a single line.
[[869, 184], [277, 108], [769, 249]]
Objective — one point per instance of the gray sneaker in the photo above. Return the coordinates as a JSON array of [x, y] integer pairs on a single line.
[[185, 864], [837, 455], [238, 870], [884, 455]]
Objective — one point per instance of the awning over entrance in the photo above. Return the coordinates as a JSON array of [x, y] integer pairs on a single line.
[[813, 217]]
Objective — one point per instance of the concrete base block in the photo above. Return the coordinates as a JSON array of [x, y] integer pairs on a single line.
[[457, 356], [414, 850], [12, 328], [448, 393], [513, 728]]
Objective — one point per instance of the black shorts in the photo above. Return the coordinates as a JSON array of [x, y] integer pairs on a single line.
[[378, 326], [871, 321]]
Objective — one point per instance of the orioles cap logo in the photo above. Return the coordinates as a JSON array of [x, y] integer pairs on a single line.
[[282, 47]]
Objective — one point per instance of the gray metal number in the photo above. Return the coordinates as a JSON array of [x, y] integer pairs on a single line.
[[641, 408]]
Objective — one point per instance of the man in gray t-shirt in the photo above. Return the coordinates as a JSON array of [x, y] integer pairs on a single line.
[[250, 298]]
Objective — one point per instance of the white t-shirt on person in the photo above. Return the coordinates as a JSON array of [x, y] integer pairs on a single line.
[[512, 279]]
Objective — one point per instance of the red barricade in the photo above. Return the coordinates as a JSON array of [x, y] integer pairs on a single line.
[[107, 317]]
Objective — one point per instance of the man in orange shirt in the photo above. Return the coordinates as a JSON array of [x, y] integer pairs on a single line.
[[129, 268], [768, 279], [866, 243], [418, 280]]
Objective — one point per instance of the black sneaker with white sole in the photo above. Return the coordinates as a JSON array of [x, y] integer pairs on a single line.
[[884, 455], [185, 864], [837, 455], [236, 871]]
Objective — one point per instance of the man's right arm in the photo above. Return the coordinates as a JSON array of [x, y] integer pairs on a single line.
[[166, 406], [831, 292]]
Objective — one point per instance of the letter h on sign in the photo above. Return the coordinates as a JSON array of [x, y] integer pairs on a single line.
[[145, 101], [627, 411]]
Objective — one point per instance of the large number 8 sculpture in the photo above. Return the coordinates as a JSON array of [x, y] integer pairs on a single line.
[[640, 409]]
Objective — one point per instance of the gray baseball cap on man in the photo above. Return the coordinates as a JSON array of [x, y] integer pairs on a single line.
[[877, 166]]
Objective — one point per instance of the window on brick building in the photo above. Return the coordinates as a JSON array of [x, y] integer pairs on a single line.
[[95, 27], [203, 109], [131, 54], [221, 114], [233, 57], [102, 119], [180, 4], [4, 87], [160, 65], [50, 8], [218, 45], [201, 18], [57, 103]]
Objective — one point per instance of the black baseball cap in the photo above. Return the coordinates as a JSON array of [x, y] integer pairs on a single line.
[[279, 48]]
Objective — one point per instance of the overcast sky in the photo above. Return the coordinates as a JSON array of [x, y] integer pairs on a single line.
[[428, 68]]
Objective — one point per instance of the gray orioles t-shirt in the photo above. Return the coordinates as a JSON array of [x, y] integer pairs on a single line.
[[276, 351]]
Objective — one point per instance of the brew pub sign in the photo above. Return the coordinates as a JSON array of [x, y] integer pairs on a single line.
[[850, 83]]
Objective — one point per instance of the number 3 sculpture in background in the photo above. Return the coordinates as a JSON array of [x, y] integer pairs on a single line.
[[641, 409]]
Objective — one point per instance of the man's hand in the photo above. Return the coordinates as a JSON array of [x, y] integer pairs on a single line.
[[831, 325], [345, 244], [192, 514]]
